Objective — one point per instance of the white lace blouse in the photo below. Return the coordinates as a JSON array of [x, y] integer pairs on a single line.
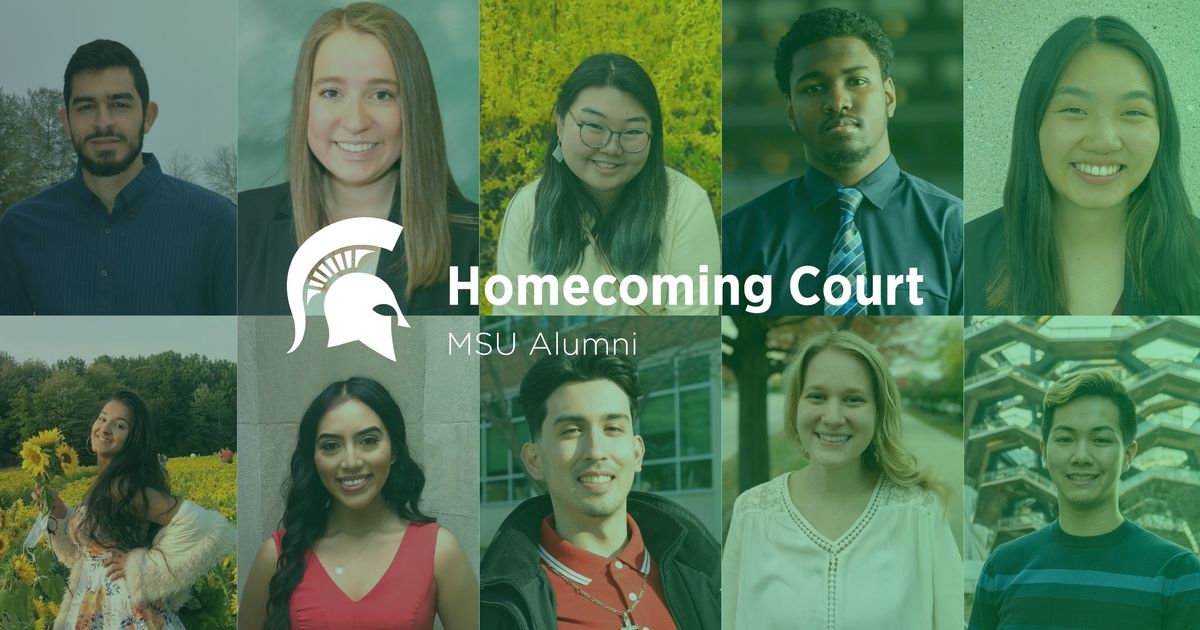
[[896, 567]]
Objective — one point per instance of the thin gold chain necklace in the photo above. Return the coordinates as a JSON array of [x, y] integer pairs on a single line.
[[626, 623]]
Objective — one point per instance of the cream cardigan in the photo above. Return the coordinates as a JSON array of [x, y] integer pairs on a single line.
[[194, 541], [689, 240]]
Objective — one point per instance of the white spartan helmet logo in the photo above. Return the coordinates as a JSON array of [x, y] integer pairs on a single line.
[[326, 264]]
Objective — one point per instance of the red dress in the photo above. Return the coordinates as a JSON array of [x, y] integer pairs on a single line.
[[403, 599]]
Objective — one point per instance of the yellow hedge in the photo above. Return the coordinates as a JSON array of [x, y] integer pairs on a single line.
[[528, 49]]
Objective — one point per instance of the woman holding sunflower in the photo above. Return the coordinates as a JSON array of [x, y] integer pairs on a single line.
[[133, 548]]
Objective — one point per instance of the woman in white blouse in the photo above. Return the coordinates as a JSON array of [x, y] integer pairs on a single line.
[[857, 539]]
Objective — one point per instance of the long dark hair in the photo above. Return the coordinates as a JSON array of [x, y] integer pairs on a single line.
[[117, 504], [630, 233], [307, 511], [1161, 232]]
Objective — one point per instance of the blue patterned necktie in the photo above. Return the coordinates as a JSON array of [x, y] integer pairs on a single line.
[[847, 258]]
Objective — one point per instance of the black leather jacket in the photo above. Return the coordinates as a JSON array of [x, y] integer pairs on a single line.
[[516, 594]]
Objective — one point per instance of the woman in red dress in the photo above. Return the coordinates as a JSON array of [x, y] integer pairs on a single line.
[[354, 550]]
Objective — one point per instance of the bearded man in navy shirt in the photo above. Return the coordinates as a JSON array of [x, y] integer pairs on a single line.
[[120, 237]]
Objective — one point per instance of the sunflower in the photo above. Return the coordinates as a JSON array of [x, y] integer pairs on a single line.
[[33, 459], [3, 546], [48, 437], [68, 457], [40, 608], [23, 570]]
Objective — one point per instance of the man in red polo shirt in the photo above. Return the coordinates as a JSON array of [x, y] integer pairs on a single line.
[[592, 554]]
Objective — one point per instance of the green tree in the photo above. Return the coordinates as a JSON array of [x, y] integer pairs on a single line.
[[17, 171], [64, 401], [49, 146]]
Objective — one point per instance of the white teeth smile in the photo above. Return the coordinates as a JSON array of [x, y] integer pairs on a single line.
[[605, 164], [1097, 171], [352, 483], [356, 147], [833, 438], [596, 478]]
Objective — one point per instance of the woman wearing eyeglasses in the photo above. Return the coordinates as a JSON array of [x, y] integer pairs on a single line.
[[607, 205]]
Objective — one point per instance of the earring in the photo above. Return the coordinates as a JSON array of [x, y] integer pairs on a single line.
[[89, 447], [557, 154]]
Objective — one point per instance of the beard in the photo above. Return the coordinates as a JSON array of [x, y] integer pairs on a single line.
[[108, 165], [845, 158]]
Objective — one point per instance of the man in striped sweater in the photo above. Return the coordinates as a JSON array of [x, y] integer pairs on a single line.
[[1092, 568]]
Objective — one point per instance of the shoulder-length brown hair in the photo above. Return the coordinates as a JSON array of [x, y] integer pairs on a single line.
[[425, 180]]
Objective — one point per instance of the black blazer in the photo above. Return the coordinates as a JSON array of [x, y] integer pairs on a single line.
[[267, 242], [986, 243]]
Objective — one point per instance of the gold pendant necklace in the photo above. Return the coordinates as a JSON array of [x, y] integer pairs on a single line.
[[339, 570]]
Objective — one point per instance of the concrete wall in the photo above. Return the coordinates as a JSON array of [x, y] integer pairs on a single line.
[[1000, 39], [438, 394]]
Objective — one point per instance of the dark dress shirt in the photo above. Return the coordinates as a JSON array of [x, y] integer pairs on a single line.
[[904, 221], [267, 242], [987, 244], [167, 248]]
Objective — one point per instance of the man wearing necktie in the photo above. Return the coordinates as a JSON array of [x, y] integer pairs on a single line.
[[854, 235]]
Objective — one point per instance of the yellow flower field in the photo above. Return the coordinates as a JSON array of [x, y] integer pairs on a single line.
[[31, 580]]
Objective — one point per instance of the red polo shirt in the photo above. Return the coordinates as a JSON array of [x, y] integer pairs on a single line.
[[614, 581]]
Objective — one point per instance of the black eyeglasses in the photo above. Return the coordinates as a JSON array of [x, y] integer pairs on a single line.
[[597, 136]]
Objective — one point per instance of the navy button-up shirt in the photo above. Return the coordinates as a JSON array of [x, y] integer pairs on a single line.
[[167, 248], [904, 221]]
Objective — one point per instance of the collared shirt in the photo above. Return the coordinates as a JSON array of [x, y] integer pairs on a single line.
[[989, 247], [614, 581], [904, 221], [167, 248]]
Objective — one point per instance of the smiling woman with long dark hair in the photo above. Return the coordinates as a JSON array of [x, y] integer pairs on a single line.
[[1096, 220], [607, 204], [134, 550], [355, 551]]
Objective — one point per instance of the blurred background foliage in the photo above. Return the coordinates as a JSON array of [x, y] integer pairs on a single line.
[[527, 50], [191, 399], [760, 152]]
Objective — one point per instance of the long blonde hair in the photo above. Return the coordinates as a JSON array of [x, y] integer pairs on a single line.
[[886, 452], [425, 180]]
